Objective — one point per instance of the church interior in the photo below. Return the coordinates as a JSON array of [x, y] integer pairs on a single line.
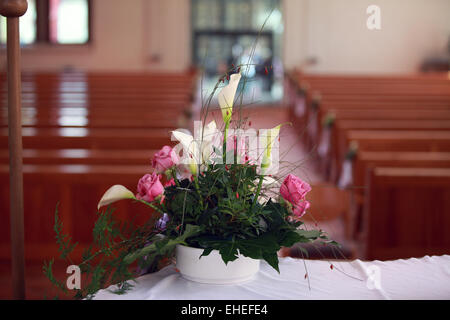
[[365, 86]]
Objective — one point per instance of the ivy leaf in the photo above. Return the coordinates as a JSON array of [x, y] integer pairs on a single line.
[[206, 252], [308, 235], [272, 259], [167, 246], [290, 238], [229, 252]]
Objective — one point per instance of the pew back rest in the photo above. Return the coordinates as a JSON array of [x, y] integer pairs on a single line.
[[407, 212], [328, 202]]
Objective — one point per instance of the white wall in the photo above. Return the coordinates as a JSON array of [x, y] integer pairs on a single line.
[[156, 34], [410, 31], [295, 16], [168, 45], [127, 35]]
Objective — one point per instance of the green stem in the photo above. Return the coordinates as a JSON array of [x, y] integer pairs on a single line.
[[174, 175], [258, 191], [197, 188], [224, 148], [151, 206]]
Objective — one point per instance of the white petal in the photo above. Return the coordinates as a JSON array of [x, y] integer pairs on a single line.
[[184, 138], [211, 139], [115, 193], [190, 147], [226, 96], [210, 131], [271, 136]]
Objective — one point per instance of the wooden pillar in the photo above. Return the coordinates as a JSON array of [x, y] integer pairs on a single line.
[[12, 10]]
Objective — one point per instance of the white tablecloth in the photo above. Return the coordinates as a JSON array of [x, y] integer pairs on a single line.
[[425, 278]]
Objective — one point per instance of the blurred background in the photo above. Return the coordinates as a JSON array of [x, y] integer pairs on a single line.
[[367, 90]]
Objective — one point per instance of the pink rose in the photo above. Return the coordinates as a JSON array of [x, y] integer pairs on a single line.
[[294, 189], [149, 187], [300, 208], [165, 159]]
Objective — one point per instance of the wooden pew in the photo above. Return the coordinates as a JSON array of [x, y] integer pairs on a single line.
[[377, 84], [390, 113], [127, 120], [97, 138], [406, 213], [394, 121], [108, 97], [393, 148], [84, 133], [84, 156], [77, 189], [340, 145], [368, 92], [392, 140], [366, 160], [106, 88]]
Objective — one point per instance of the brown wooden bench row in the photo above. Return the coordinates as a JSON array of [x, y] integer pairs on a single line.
[[77, 189], [364, 161], [95, 121], [341, 142], [83, 156], [341, 88], [103, 77], [391, 140], [89, 105], [406, 213], [157, 95], [400, 123], [95, 138], [126, 88], [330, 105], [314, 110], [158, 110]]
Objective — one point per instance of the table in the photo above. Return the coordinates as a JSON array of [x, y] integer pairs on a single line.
[[424, 278]]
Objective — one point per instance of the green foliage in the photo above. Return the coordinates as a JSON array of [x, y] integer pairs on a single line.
[[103, 262], [161, 247], [231, 218], [64, 241], [218, 210]]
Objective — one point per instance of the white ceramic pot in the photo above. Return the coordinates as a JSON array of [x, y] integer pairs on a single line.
[[211, 269]]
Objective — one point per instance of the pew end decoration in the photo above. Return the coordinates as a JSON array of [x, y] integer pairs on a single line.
[[214, 205]]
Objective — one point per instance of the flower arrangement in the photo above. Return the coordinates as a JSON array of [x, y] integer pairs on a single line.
[[212, 191]]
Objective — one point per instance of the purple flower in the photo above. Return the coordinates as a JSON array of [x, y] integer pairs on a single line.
[[162, 222]]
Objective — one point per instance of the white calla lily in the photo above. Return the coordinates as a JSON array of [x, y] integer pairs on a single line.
[[210, 138], [226, 97], [198, 149], [115, 193], [271, 136], [188, 143]]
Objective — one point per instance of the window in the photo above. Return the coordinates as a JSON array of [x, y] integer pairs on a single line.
[[27, 25], [53, 21], [69, 21], [224, 33]]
